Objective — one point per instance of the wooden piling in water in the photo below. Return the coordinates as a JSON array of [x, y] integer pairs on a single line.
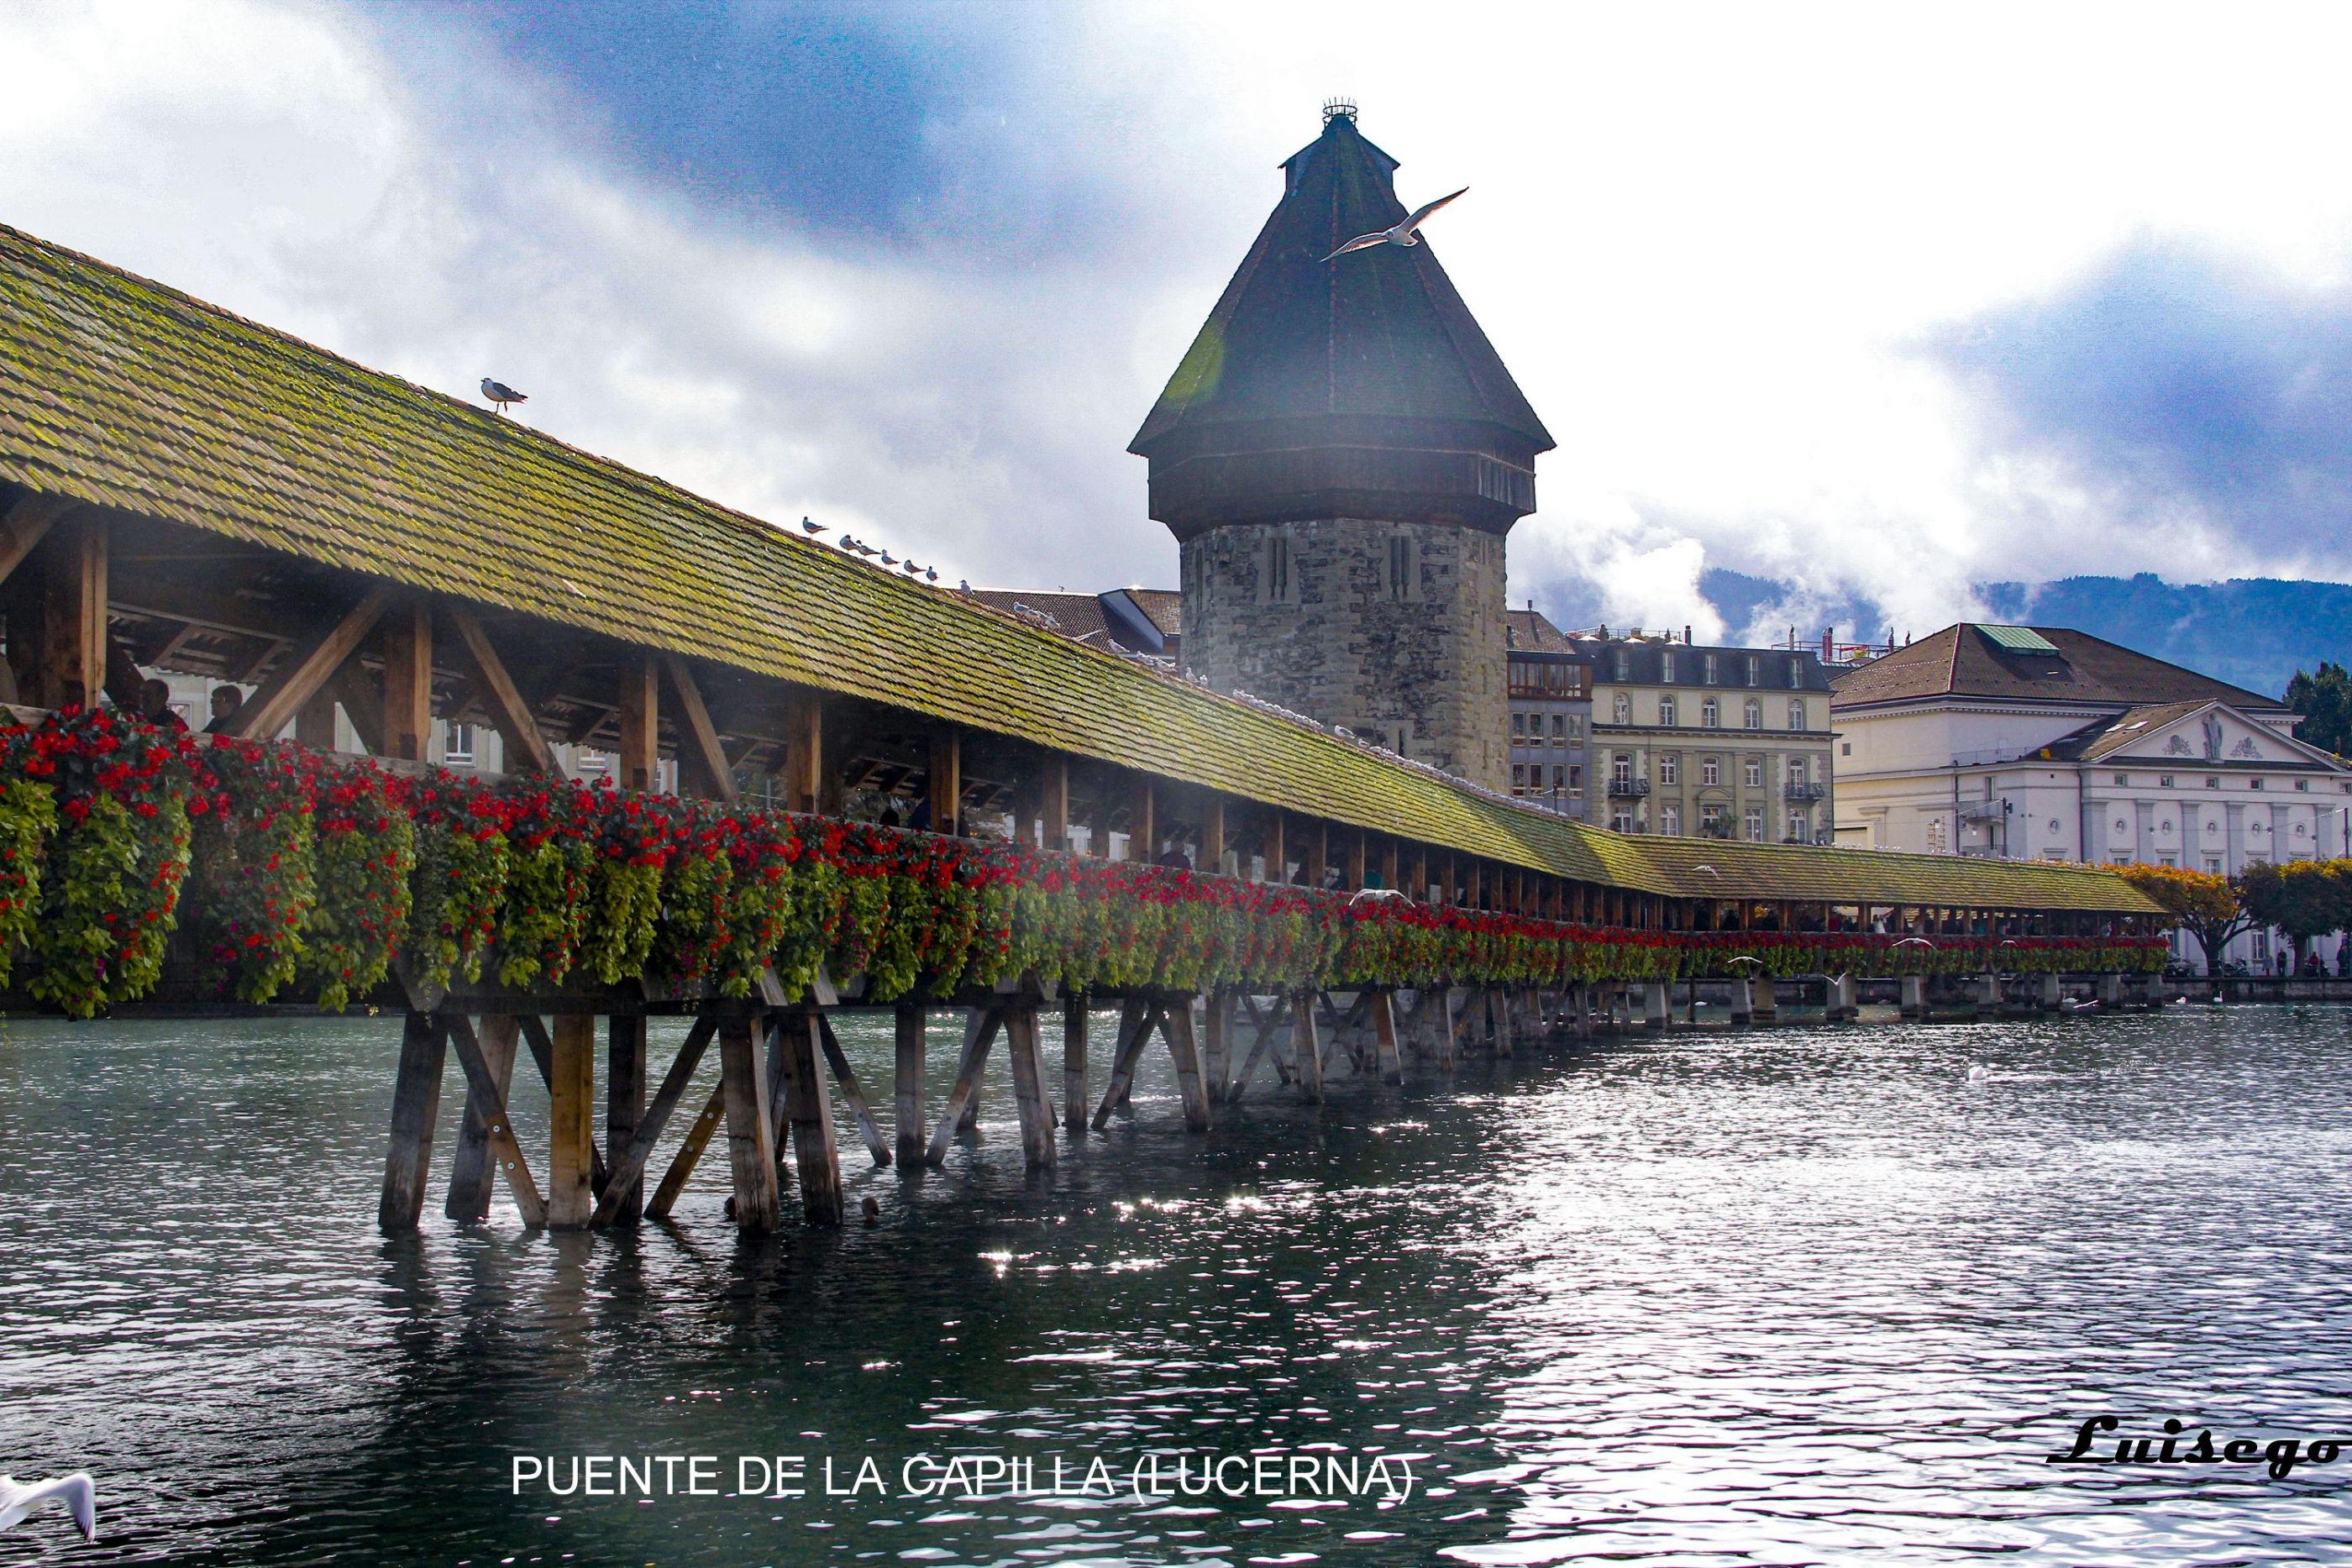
[[1074, 1063], [810, 1109], [751, 1148], [415, 1105], [911, 1023]]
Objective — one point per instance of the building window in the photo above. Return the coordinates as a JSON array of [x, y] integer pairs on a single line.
[[1519, 778], [457, 751], [1710, 669], [1710, 821], [2164, 781], [1404, 568], [1752, 716], [1845, 748], [1575, 729], [1710, 713], [1710, 770], [2253, 783], [2212, 865], [1666, 667], [1755, 670], [1755, 822], [1274, 577], [1797, 771], [1576, 782], [1560, 728], [1800, 825], [1621, 768], [2123, 778], [1669, 820], [1621, 822], [1796, 673], [1666, 712], [1755, 773], [1622, 710], [591, 761], [1797, 713], [1669, 768], [2212, 783], [1518, 727], [2303, 786], [1623, 662]]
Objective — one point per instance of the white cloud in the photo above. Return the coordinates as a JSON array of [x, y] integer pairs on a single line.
[[1709, 241]]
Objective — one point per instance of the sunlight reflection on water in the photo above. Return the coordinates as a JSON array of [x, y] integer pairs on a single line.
[[1796, 1295]]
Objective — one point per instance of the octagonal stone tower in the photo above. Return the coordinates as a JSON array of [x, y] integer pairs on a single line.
[[1341, 455]]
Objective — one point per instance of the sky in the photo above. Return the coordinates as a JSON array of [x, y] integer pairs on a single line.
[[1877, 303]]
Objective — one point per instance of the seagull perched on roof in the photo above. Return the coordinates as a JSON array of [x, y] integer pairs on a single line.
[[500, 394], [74, 1490], [930, 574], [809, 528], [1401, 234], [888, 559]]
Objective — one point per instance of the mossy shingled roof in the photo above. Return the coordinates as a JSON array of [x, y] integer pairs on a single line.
[[120, 392]]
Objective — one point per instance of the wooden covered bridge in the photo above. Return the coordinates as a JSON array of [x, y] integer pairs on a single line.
[[183, 491]]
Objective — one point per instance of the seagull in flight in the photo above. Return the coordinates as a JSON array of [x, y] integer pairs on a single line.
[[1402, 234], [500, 394], [74, 1490]]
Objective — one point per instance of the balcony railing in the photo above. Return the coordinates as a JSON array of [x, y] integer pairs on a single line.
[[1628, 788], [1804, 794]]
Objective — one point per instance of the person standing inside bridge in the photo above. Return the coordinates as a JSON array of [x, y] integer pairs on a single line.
[[155, 706], [227, 703]]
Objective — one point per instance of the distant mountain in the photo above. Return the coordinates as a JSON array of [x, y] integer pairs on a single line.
[[2251, 632]]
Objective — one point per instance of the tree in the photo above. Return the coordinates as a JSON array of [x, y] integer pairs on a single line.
[[2205, 904], [2324, 700], [2303, 898]]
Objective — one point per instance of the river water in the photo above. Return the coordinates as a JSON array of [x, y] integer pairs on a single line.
[[1795, 1295]]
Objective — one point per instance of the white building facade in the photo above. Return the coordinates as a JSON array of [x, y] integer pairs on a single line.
[[2038, 743]]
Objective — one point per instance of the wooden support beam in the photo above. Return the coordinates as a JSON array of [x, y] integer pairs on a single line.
[[811, 1111], [1315, 853], [1176, 1027], [362, 702], [25, 525], [1216, 1042], [1277, 858], [1023, 1045], [979, 1034], [1390, 856], [74, 646], [406, 640], [700, 757], [1356, 857], [486, 1103], [637, 764], [1053, 803], [1384, 1036], [1074, 1063], [689, 1154], [1266, 1028], [1142, 838], [751, 1133], [846, 1077], [913, 1024], [1213, 836], [804, 749], [542, 1056], [572, 1123], [302, 672], [474, 1165], [314, 726], [1137, 1017], [415, 1105], [1420, 874], [943, 781], [1306, 1052], [629, 1162], [624, 1107], [527, 748]]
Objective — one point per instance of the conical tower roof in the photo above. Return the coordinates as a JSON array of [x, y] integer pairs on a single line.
[[1374, 346]]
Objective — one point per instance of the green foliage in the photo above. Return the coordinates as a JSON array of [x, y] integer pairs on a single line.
[[2324, 700], [28, 815]]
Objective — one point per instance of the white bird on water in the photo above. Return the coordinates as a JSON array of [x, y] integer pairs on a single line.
[[1402, 234], [74, 1490], [500, 394]]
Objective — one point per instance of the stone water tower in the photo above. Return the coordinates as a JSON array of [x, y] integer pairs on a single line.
[[1341, 455]]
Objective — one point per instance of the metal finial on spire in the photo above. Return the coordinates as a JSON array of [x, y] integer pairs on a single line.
[[1333, 108]]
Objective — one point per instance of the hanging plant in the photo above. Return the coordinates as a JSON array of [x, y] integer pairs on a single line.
[[254, 882], [366, 852], [459, 881], [28, 815], [634, 838]]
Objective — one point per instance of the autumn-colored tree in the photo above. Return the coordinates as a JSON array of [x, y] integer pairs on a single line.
[[2205, 904], [2303, 898]]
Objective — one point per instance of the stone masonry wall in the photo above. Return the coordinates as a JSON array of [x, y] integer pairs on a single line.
[[1423, 672]]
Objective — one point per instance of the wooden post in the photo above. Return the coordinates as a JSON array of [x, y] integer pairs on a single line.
[[1074, 1063], [689, 1154], [1306, 1054], [72, 667], [1384, 1037], [1315, 854], [638, 766], [1217, 1043], [751, 1143], [1477, 889], [1213, 836], [572, 1122], [804, 751], [415, 1105], [944, 783], [624, 1106], [1054, 804], [1142, 835], [978, 1033], [406, 640], [486, 1106], [811, 1110], [846, 1076], [1136, 1018], [626, 1174], [912, 1023], [1176, 1024], [1356, 857], [1277, 858], [1392, 859], [1420, 888], [470, 1167], [314, 726], [1023, 1045]]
